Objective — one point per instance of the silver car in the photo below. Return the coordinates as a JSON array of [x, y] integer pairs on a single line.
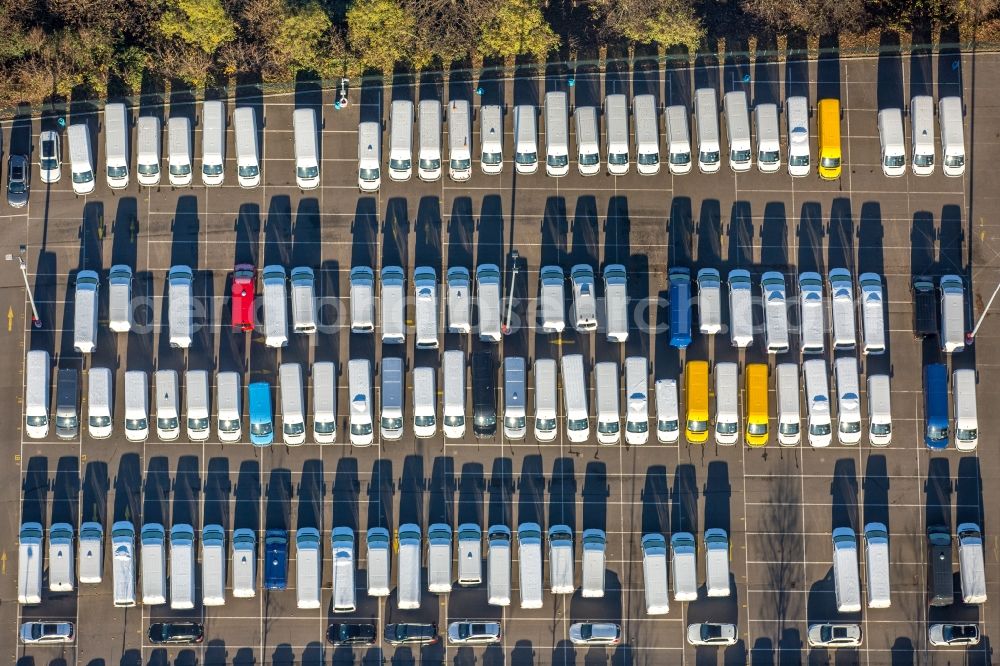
[[952, 635], [473, 633], [834, 635], [47, 632], [50, 161], [18, 171], [595, 633], [711, 633]]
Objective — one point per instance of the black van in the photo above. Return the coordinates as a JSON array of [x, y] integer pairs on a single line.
[[67, 404], [941, 587], [925, 307], [484, 395]]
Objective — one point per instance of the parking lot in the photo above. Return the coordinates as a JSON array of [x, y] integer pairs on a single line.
[[778, 505]]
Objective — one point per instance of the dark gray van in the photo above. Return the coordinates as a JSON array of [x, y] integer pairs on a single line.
[[484, 395], [941, 585], [67, 403]]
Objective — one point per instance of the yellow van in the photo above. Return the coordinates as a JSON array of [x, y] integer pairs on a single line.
[[828, 124], [756, 402], [696, 401]]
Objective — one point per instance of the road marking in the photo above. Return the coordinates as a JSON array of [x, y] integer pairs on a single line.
[[10, 318], [3, 563]]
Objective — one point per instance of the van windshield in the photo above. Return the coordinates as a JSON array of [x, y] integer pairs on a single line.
[[923, 160], [954, 160], [166, 424], [399, 165], [211, 169], [881, 429], [368, 174], [307, 172], [850, 426], [425, 421], [87, 176], [577, 424], [148, 169], [135, 424], [229, 425], [557, 160], [430, 165], [527, 158], [895, 160], [391, 424], [293, 428], [325, 427], [708, 157], [261, 429], [698, 426], [726, 428], [820, 429], [791, 428], [514, 422], [607, 427], [798, 160], [100, 421], [492, 158], [180, 169], [361, 429], [251, 171], [740, 155], [117, 171], [675, 158], [454, 421], [966, 434], [757, 428], [636, 426], [830, 162], [768, 157], [545, 425], [592, 159], [461, 165], [66, 421], [197, 425], [667, 425]]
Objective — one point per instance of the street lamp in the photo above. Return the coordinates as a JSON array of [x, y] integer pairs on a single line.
[[514, 256], [970, 337], [35, 319]]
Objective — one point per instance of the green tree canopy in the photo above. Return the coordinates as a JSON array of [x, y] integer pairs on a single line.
[[664, 22], [300, 42], [201, 23], [381, 32], [517, 27]]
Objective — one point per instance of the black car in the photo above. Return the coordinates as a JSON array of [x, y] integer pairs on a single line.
[[925, 305], [351, 634], [411, 634], [176, 632]]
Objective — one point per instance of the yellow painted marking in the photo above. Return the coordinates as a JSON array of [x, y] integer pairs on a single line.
[[3, 563], [10, 319]]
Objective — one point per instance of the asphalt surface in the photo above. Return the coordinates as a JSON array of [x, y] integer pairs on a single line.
[[779, 505]]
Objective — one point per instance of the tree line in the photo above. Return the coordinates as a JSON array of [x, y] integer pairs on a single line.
[[63, 49]]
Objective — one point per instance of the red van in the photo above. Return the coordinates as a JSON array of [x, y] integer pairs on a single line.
[[244, 287]]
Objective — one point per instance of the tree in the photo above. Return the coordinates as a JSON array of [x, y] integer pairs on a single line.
[[448, 28], [300, 40], [200, 23], [517, 27], [816, 17], [382, 33], [664, 22]]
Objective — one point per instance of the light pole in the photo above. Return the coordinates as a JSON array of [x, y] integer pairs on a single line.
[[35, 320], [514, 256], [970, 337]]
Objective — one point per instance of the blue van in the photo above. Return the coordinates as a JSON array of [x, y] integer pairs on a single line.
[[261, 417], [936, 406], [679, 280], [275, 558]]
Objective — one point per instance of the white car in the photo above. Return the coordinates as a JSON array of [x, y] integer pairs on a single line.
[[951, 635], [595, 633], [47, 632], [834, 635], [711, 633], [50, 160], [473, 633], [584, 298]]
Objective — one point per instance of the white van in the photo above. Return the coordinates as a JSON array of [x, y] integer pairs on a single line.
[[293, 416], [120, 298], [963, 391], [879, 412], [180, 294], [213, 142], [684, 566], [890, 134], [308, 567], [574, 383], [459, 300], [116, 133], [453, 418], [636, 400], [379, 561], [391, 424], [922, 134], [529, 556], [342, 553], [546, 419], [716, 562], [768, 141], [706, 118], [168, 422], [439, 558], [429, 140], [424, 402], [772, 291], [588, 140], [872, 313], [647, 136], [553, 311], [85, 308], [740, 308], [362, 299], [426, 306], [608, 412], [91, 552], [727, 416], [616, 302], [709, 301], [401, 140], [594, 543], [470, 554], [654, 574], [213, 565], [179, 151], [556, 134], [61, 558], [515, 394], [359, 375], [369, 156], [952, 135], [244, 563], [81, 161], [498, 565], [247, 158], [408, 587], [182, 563], [136, 406], [846, 586], [147, 150], [488, 290], [789, 419], [797, 115], [306, 148], [817, 402], [678, 139], [561, 562], [970, 563], [491, 139], [952, 335], [525, 139], [324, 401], [667, 417], [738, 130], [303, 300], [275, 306], [812, 328], [196, 402], [459, 140], [227, 402], [393, 305], [877, 559], [584, 298], [152, 551], [848, 400], [123, 563], [616, 133]]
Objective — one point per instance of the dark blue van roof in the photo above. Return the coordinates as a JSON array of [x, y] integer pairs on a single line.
[[680, 307], [275, 559], [936, 406]]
